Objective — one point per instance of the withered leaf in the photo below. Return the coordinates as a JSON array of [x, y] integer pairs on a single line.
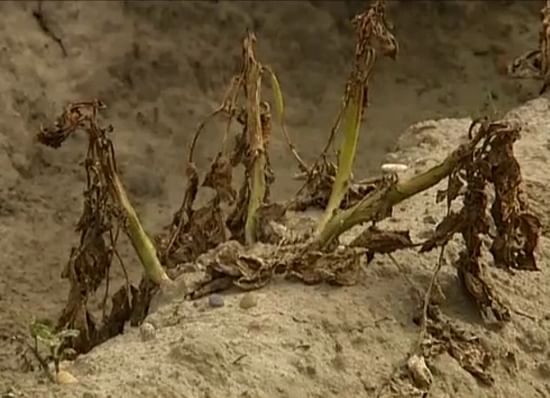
[[267, 215], [492, 309], [451, 224], [204, 231], [454, 185], [219, 178], [516, 249], [338, 268], [378, 241], [465, 348]]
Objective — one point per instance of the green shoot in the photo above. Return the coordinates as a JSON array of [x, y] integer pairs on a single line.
[[141, 242], [369, 25], [352, 124]]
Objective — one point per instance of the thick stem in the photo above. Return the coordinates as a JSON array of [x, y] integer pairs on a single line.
[[257, 194], [143, 246], [378, 202], [352, 124], [256, 143]]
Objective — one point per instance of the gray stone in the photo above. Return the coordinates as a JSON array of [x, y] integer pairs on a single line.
[[216, 300]]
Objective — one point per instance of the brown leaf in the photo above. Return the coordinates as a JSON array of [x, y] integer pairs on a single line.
[[465, 348], [518, 231], [444, 232], [219, 178], [230, 265], [491, 307], [204, 230], [267, 215], [237, 218], [377, 241], [338, 268], [317, 189]]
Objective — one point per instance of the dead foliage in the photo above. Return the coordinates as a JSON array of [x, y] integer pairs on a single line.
[[414, 377], [487, 160], [234, 265], [535, 64], [383, 242], [195, 231], [99, 226], [488, 166], [516, 230], [487, 177]]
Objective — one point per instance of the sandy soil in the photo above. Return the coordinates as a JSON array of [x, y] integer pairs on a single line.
[[161, 67]]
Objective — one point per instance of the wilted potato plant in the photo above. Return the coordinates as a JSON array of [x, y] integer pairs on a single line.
[[241, 238]]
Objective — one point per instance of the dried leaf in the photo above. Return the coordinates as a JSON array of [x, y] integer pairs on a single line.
[[219, 178], [377, 241], [337, 268], [467, 349], [268, 216], [518, 231], [444, 232]]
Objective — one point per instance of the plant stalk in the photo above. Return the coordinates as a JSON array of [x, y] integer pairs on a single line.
[[141, 242], [257, 150], [378, 202], [352, 123]]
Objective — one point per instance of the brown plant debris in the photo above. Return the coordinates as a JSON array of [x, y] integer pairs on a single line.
[[318, 184], [445, 335], [107, 211], [535, 64], [233, 265], [486, 161], [383, 242], [492, 165], [99, 227], [414, 378], [195, 231]]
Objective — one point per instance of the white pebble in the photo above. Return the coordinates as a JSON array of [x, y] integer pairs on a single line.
[[147, 331], [394, 167]]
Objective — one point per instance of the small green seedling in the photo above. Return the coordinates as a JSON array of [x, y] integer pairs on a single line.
[[43, 333]]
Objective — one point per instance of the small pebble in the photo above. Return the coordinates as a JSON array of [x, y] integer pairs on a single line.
[[147, 331], [248, 301], [216, 300], [64, 377], [420, 373]]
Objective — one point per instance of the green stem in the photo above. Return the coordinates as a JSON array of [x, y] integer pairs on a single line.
[[143, 246], [378, 202], [352, 124]]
